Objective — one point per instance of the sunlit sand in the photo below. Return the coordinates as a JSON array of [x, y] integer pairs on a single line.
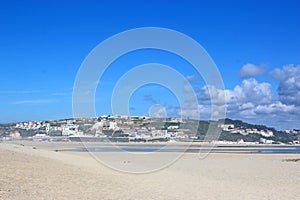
[[36, 171]]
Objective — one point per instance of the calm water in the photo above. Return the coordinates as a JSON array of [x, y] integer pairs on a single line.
[[218, 149]]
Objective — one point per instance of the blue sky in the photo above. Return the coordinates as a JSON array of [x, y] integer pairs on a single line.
[[255, 45]]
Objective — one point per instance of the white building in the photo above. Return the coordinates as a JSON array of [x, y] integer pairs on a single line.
[[266, 133], [173, 127], [227, 127], [69, 129]]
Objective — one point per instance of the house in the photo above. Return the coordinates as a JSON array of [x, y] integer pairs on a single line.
[[227, 127]]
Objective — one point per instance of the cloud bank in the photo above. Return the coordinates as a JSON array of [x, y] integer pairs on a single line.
[[255, 102], [251, 101]]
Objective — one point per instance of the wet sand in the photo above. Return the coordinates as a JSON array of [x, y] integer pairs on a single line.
[[34, 170]]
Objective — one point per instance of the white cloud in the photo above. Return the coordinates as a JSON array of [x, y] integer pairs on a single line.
[[289, 84], [33, 101], [187, 89], [61, 94], [157, 111], [249, 91], [274, 108], [209, 94], [252, 91], [192, 78], [252, 70], [246, 106], [252, 101]]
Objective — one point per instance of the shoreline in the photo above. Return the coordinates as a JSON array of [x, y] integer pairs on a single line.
[[159, 147]]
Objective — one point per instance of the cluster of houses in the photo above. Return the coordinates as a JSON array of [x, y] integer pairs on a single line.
[[135, 127], [31, 125], [139, 127], [131, 127], [293, 131], [245, 131]]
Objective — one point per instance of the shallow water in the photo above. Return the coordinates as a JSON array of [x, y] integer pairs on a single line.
[[218, 149]]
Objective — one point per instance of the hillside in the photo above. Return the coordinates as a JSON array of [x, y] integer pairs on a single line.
[[225, 130]]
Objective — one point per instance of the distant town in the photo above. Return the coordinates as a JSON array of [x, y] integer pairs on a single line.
[[144, 129]]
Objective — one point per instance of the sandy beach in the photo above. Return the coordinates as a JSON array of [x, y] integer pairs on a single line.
[[34, 170]]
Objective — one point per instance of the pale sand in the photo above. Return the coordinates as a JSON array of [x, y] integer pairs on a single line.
[[41, 173]]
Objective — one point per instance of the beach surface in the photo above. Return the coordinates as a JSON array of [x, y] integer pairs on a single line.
[[41, 170]]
